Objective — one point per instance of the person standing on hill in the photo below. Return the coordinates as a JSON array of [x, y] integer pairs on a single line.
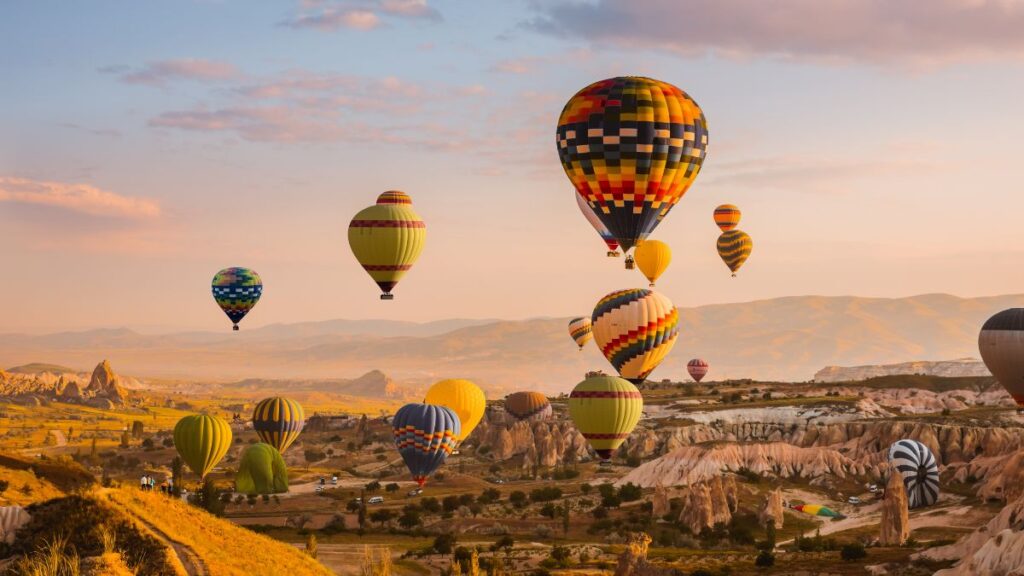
[[152, 483], [144, 483]]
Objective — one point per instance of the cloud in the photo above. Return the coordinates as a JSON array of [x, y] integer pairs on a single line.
[[81, 198], [881, 32], [162, 72], [330, 16], [517, 65]]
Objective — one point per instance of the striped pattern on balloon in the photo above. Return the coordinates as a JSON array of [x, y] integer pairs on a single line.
[[635, 330], [387, 239], [581, 330], [697, 368], [236, 290], [424, 436], [734, 248], [605, 410], [916, 464], [530, 406], [278, 421], [727, 217]]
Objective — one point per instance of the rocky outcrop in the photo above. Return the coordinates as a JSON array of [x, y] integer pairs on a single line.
[[660, 502], [949, 368], [895, 523], [707, 503], [633, 560], [545, 444], [771, 510], [996, 548], [104, 384], [72, 392]]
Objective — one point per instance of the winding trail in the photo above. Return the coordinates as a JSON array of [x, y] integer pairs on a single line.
[[191, 561]]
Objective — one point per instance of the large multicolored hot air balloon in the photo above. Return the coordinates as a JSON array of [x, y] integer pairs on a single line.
[[1001, 343], [653, 258], [697, 368], [605, 410], [278, 421], [635, 329], [387, 239], [237, 290], [261, 471], [727, 217], [817, 510], [916, 463], [581, 330], [202, 440], [425, 435], [602, 231], [464, 397], [530, 406], [631, 147], [734, 247]]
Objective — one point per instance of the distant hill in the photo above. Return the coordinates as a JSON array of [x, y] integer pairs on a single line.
[[40, 368], [963, 367], [780, 339]]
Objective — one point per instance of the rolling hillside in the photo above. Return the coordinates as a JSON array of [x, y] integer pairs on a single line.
[[785, 339]]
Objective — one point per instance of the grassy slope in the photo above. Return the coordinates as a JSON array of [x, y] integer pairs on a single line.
[[226, 548]]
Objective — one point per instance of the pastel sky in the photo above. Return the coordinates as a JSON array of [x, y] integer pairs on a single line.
[[874, 147]]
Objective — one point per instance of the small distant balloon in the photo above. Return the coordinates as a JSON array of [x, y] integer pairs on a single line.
[[697, 369], [727, 217], [530, 406], [734, 247], [581, 331], [653, 258], [236, 291]]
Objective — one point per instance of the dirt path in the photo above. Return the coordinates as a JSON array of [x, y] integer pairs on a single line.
[[188, 557], [58, 435]]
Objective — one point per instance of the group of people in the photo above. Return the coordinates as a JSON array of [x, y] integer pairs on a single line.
[[148, 483]]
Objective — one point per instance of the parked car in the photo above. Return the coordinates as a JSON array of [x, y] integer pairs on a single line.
[[415, 492], [854, 500], [376, 500], [873, 488]]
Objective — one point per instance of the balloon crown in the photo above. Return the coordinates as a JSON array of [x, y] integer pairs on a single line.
[[394, 197]]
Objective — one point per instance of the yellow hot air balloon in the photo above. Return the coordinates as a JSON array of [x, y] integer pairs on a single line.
[[605, 410], [653, 257], [387, 239], [734, 247], [202, 440], [581, 331], [635, 329], [464, 398]]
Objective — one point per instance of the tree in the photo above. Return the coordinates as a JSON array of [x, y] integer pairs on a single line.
[[311, 545], [854, 551], [430, 505], [177, 467], [765, 559], [629, 492], [612, 501], [410, 517], [137, 429], [125, 439], [92, 449], [517, 498], [489, 495], [450, 503], [210, 498], [560, 554], [4, 485], [373, 486], [565, 518], [362, 511], [444, 543], [392, 487], [585, 488], [505, 543], [383, 516]]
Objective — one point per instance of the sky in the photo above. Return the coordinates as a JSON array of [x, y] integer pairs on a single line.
[[873, 146]]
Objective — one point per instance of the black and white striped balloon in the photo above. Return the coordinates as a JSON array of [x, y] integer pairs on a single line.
[[916, 463]]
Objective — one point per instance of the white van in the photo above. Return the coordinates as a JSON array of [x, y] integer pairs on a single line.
[[376, 500]]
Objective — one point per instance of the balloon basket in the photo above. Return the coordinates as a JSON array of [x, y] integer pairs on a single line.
[[235, 327], [387, 296], [733, 274], [651, 285], [613, 254], [630, 263]]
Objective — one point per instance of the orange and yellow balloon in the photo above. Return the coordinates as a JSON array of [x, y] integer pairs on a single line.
[[581, 331], [734, 248], [727, 217], [653, 258], [387, 239]]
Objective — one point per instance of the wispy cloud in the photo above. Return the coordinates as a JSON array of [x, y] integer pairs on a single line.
[[366, 15], [882, 32], [81, 198], [164, 71], [517, 65]]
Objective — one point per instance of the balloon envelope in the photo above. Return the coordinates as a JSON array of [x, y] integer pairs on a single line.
[[261, 471], [727, 217], [236, 291], [1001, 343], [582, 331], [605, 410], [595, 222], [631, 147], [734, 248], [425, 435], [202, 441], [387, 239], [635, 330], [916, 463], [465, 398], [652, 258], [278, 421], [528, 406], [697, 368], [816, 510]]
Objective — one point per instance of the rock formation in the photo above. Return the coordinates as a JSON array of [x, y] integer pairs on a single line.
[[706, 504], [633, 560], [72, 392], [895, 521], [996, 548], [104, 384], [949, 368], [660, 505], [771, 509], [546, 444]]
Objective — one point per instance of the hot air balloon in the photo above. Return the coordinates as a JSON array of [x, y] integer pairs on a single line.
[[11, 519], [387, 239], [425, 435], [727, 217], [278, 421], [635, 329], [581, 330], [734, 247], [609, 240], [697, 369], [530, 406], [916, 463], [631, 147], [605, 410], [202, 440], [817, 510], [237, 290], [261, 471], [1001, 344], [464, 398], [653, 257]]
